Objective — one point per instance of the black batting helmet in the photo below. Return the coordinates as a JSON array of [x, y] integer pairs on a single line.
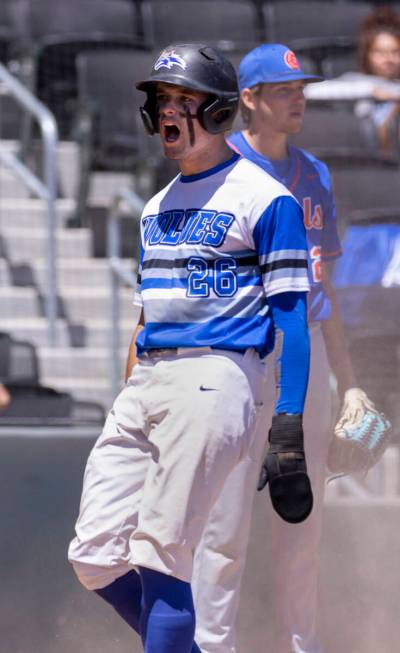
[[200, 68]]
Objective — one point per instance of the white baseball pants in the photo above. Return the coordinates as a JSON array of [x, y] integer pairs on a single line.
[[175, 433], [220, 556]]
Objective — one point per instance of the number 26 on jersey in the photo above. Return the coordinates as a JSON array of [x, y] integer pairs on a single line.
[[218, 275]]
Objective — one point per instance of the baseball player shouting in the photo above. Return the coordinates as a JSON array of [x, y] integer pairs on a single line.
[[272, 84], [223, 274]]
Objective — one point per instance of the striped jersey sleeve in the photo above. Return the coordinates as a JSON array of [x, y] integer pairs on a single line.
[[280, 241]]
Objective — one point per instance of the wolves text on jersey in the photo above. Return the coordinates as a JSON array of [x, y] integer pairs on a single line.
[[192, 226]]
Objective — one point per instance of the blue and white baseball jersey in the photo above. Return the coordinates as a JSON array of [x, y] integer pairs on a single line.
[[309, 181], [214, 246]]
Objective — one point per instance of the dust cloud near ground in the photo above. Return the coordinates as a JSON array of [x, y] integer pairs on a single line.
[[359, 581], [43, 608]]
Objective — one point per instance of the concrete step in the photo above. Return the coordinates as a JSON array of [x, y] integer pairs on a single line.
[[83, 304], [98, 333], [79, 272], [25, 245], [9, 145], [83, 389], [72, 272], [18, 303], [11, 186], [32, 213], [77, 363], [35, 330], [105, 185], [67, 169]]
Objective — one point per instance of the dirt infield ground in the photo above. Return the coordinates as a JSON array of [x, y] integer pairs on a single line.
[[44, 610]]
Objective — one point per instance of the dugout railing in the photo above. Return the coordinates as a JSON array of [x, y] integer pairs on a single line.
[[45, 189]]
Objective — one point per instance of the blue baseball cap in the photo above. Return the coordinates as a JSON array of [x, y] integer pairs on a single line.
[[271, 63]]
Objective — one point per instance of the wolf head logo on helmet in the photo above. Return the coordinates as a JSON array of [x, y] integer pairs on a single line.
[[169, 58], [197, 67]]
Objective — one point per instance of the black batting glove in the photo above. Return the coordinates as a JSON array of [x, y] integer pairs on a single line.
[[285, 469]]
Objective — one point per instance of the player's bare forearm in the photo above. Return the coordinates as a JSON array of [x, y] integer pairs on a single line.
[[332, 330], [132, 354]]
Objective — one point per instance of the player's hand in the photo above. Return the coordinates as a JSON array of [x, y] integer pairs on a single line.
[[355, 404], [360, 437], [285, 469]]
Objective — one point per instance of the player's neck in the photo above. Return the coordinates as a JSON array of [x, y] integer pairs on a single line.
[[271, 144], [205, 159]]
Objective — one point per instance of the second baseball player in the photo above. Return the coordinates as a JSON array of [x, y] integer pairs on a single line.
[[272, 95]]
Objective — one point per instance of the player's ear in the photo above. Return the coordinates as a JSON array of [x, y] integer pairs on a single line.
[[248, 99]]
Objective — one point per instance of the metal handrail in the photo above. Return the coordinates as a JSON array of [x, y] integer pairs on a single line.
[[45, 190], [119, 274]]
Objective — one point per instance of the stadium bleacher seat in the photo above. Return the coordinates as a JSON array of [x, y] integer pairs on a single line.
[[118, 138], [333, 128], [308, 23], [112, 135], [312, 26], [339, 62], [5, 40], [60, 31], [53, 20], [32, 403], [14, 28], [231, 24], [18, 361], [367, 193]]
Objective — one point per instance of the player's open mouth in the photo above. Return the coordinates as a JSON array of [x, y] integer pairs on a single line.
[[171, 133]]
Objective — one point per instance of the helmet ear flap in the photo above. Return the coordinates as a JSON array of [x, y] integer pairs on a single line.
[[216, 115], [149, 115]]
